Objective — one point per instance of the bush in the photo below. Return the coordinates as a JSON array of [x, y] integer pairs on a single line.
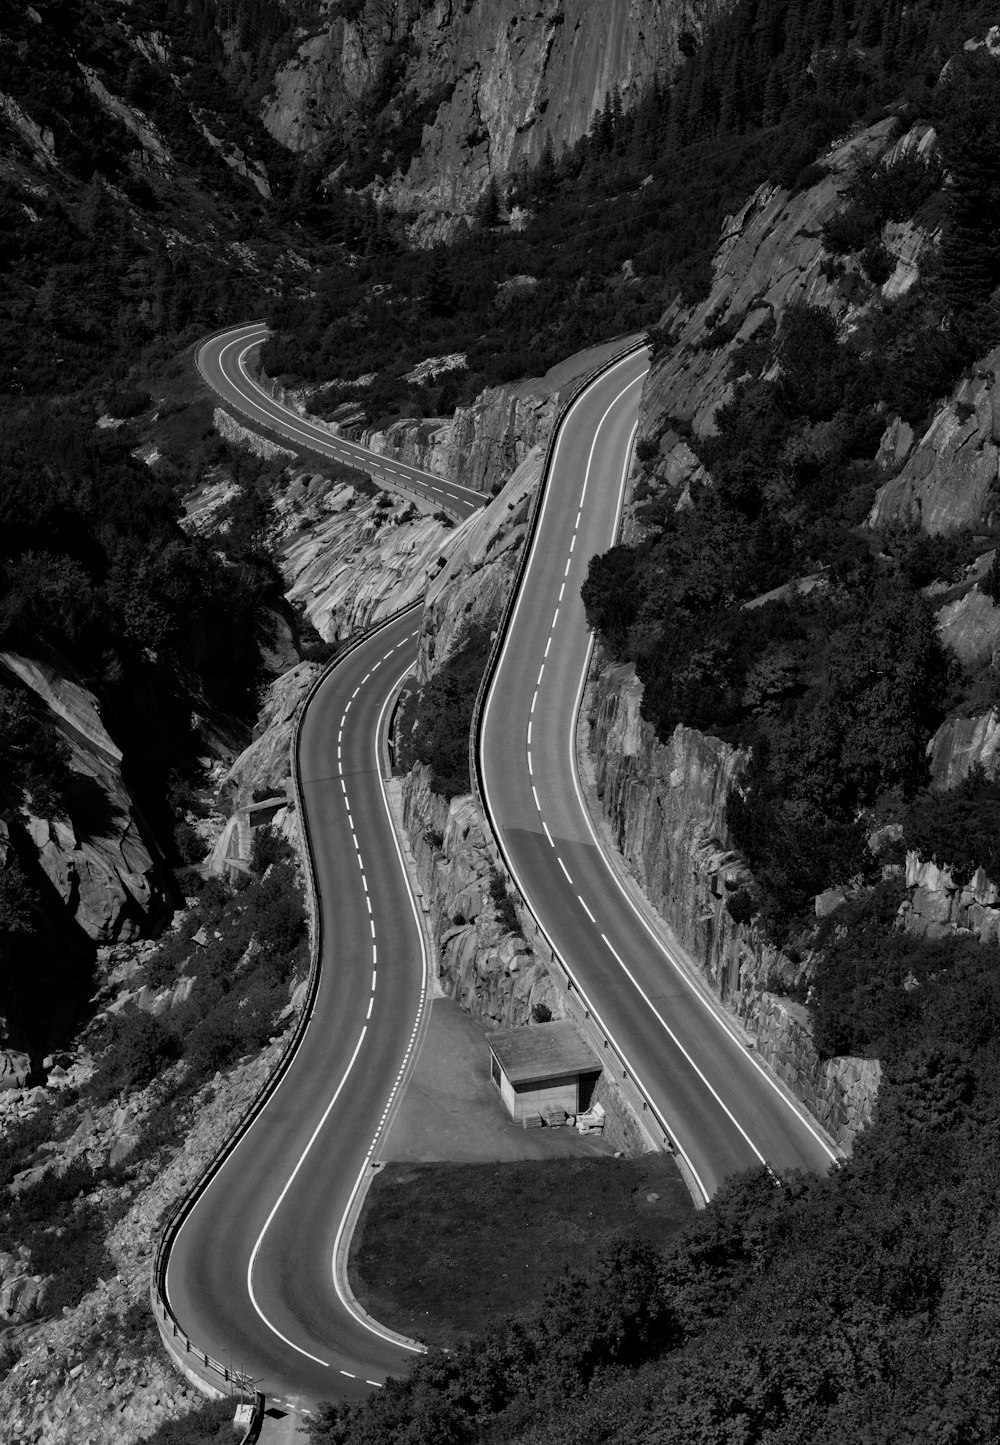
[[877, 262], [504, 904], [435, 725], [958, 829], [138, 1048]]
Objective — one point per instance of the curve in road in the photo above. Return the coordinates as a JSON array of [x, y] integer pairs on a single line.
[[256, 1271], [222, 361], [720, 1106], [279, 1207]]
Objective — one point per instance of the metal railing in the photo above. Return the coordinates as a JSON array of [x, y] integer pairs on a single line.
[[216, 1373], [365, 463]]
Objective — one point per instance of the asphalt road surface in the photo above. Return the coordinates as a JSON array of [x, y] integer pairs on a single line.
[[251, 1275], [223, 361], [718, 1104]]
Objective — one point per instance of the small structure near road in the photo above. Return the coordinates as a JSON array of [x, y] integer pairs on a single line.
[[542, 1069]]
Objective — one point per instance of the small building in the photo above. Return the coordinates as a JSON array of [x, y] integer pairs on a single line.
[[543, 1066]]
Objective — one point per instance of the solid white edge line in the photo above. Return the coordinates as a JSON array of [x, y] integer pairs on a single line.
[[799, 1113], [253, 336], [485, 720], [340, 1284], [278, 1202]]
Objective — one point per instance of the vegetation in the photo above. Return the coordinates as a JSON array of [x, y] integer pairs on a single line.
[[876, 1283], [434, 727], [556, 1216]]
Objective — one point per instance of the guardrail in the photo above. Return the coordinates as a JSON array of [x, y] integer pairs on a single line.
[[580, 1004], [361, 463], [215, 1373]]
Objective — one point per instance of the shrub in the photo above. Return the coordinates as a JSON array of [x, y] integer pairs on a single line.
[[958, 829], [504, 904], [435, 725], [877, 262], [138, 1049]]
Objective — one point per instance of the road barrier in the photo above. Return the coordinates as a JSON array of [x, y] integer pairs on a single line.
[[208, 1373], [367, 463], [648, 1117]]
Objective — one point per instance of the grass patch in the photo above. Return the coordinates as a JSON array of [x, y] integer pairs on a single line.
[[494, 1237]]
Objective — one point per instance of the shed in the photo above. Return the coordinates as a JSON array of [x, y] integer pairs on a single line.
[[542, 1065]]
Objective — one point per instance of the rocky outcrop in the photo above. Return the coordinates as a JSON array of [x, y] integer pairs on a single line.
[[937, 905], [770, 255], [665, 804], [259, 783], [349, 558], [105, 871], [950, 480], [961, 744], [22, 1293], [498, 79], [474, 583], [491, 971], [970, 628]]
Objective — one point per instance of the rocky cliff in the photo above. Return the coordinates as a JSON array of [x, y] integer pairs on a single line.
[[949, 480], [495, 81], [770, 255], [107, 872], [665, 805]]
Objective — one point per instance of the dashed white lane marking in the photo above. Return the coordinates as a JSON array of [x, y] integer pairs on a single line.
[[586, 910], [548, 644], [562, 589], [529, 763], [347, 1374], [547, 833], [376, 1383], [541, 674], [534, 699], [529, 731], [534, 794], [565, 870]]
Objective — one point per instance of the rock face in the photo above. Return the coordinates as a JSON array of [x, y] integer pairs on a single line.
[[962, 743], [666, 808], [349, 559], [499, 79], [491, 971], [950, 480], [937, 905], [770, 255], [109, 877]]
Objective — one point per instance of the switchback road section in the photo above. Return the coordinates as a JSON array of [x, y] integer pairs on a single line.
[[252, 1273], [222, 361], [716, 1101]]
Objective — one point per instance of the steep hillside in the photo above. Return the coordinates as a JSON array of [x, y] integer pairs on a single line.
[[428, 102]]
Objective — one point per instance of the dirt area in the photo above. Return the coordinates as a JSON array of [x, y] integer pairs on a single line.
[[451, 1112], [471, 1217]]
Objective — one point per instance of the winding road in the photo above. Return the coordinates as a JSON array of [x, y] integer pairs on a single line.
[[223, 360], [720, 1106], [255, 1274]]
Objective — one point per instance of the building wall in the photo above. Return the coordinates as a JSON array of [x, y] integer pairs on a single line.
[[532, 1097]]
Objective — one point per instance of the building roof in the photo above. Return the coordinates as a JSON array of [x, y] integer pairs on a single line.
[[542, 1051]]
